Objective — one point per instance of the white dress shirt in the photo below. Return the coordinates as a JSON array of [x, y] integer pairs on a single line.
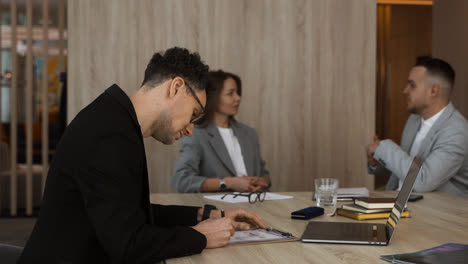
[[422, 132], [234, 150]]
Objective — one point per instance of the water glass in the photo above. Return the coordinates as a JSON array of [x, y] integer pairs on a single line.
[[326, 190]]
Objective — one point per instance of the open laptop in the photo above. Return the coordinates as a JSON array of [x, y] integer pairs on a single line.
[[364, 233]]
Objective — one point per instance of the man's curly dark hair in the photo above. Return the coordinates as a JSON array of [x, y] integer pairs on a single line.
[[177, 62]]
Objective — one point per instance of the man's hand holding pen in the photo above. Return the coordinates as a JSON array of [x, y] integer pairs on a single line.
[[218, 230]]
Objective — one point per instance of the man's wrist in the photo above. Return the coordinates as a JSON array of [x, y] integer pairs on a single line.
[[215, 214], [381, 147], [207, 211], [199, 214], [372, 167], [372, 163], [380, 150]]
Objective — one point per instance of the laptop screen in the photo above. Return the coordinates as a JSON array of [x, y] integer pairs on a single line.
[[402, 198]]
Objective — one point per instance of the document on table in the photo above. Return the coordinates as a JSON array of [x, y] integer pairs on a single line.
[[231, 198], [353, 192], [261, 236], [347, 194]]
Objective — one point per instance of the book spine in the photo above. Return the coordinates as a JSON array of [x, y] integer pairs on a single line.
[[361, 216]]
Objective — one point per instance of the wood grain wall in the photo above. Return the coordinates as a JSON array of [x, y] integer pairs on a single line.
[[450, 42], [308, 69]]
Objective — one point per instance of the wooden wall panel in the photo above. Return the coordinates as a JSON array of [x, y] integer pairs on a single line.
[[308, 72], [450, 42]]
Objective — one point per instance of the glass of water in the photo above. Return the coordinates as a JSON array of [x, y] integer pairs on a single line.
[[326, 190]]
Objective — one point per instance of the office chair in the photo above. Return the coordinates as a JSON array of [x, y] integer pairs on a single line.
[[10, 254]]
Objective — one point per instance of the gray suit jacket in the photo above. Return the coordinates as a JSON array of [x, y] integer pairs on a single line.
[[443, 152], [204, 155]]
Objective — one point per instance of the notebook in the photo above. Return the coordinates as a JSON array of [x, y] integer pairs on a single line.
[[360, 209], [364, 233], [367, 216], [372, 203]]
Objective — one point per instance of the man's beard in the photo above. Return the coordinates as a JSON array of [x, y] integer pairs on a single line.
[[418, 109], [412, 110], [162, 128]]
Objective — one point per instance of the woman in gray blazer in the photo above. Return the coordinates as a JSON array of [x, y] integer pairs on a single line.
[[223, 154]]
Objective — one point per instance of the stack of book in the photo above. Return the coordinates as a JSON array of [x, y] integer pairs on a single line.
[[369, 208]]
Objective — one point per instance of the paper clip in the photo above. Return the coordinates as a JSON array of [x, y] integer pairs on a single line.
[[271, 229]]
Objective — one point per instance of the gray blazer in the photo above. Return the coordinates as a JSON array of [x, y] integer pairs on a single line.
[[204, 155], [444, 153]]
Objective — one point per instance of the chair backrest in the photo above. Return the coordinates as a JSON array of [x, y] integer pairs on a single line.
[[9, 254]]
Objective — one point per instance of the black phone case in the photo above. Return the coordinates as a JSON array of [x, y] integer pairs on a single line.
[[415, 197], [307, 213]]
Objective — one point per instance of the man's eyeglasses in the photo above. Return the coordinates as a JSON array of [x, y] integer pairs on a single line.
[[253, 196], [196, 118]]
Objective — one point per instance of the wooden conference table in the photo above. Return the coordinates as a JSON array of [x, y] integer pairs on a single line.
[[437, 219]]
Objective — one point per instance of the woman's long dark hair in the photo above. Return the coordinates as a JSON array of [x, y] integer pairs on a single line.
[[214, 87]]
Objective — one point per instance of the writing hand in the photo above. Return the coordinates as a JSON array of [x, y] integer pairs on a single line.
[[217, 231], [243, 219]]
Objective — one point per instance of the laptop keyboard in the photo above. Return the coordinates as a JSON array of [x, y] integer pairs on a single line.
[[357, 231]]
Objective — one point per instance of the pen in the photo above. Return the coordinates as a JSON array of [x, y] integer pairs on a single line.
[[271, 229]]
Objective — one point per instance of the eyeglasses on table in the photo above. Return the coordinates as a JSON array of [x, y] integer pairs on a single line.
[[252, 196]]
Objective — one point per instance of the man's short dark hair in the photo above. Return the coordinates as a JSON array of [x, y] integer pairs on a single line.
[[176, 62], [438, 68]]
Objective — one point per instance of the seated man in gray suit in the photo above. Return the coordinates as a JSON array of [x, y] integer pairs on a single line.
[[436, 133]]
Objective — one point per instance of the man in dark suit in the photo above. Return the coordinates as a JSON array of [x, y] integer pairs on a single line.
[[96, 206]]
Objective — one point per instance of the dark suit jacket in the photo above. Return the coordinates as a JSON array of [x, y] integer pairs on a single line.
[[96, 206]]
